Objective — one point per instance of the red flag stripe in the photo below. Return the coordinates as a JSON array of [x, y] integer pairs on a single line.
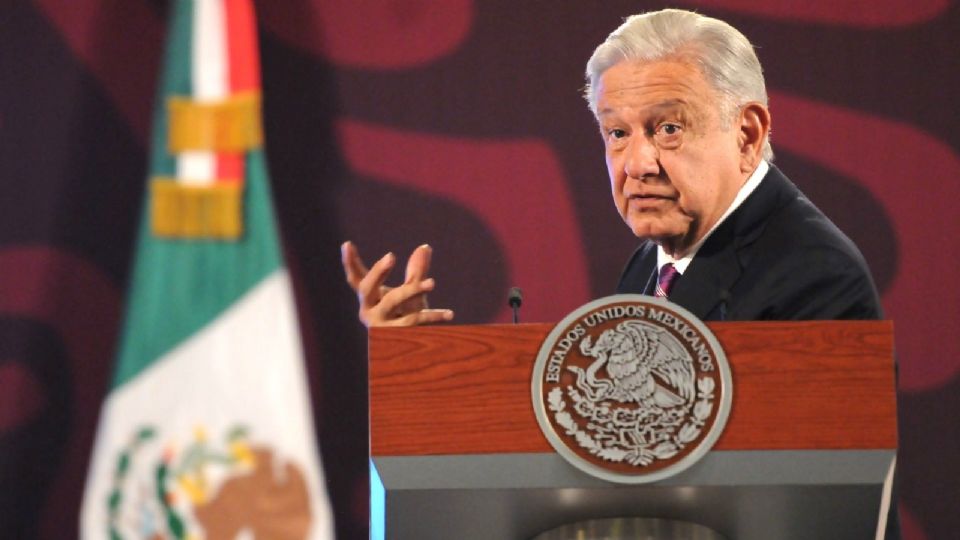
[[242, 69], [242, 46]]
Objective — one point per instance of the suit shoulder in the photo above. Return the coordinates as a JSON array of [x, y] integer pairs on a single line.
[[800, 228], [808, 268]]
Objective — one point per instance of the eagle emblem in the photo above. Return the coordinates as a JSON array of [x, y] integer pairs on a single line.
[[631, 388], [645, 365]]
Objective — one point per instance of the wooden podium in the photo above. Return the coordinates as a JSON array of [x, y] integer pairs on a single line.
[[457, 452]]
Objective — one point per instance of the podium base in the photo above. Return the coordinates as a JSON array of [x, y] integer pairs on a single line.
[[631, 529], [743, 495]]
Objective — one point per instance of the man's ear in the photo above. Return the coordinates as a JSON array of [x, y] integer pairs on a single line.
[[754, 128]]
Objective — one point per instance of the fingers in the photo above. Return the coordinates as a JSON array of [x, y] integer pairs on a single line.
[[405, 306], [385, 306], [369, 288], [405, 299], [418, 265], [424, 316], [353, 266]]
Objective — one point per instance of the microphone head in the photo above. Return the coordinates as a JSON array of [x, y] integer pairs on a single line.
[[515, 297]]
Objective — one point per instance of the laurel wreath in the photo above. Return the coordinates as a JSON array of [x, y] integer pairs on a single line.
[[195, 456], [120, 472], [611, 424]]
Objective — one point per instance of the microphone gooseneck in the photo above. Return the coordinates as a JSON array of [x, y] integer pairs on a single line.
[[514, 300]]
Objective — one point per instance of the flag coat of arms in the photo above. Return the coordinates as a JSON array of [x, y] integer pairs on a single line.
[[207, 431]]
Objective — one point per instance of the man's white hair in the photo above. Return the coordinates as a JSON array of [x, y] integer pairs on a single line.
[[724, 56]]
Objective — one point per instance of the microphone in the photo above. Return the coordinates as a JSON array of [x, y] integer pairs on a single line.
[[724, 299], [514, 300]]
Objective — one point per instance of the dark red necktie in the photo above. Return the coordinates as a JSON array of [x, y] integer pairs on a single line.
[[667, 277]]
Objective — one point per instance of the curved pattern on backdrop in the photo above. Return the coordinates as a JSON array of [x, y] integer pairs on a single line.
[[371, 34], [496, 180], [467, 112], [25, 398], [116, 60], [75, 299], [915, 176], [854, 13]]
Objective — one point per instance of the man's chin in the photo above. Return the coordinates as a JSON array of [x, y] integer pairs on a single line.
[[657, 232]]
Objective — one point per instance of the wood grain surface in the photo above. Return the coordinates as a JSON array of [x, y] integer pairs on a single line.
[[797, 385]]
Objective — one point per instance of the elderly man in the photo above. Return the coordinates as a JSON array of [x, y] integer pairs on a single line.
[[682, 108]]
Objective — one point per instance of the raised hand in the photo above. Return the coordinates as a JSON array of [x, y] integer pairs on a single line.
[[380, 305]]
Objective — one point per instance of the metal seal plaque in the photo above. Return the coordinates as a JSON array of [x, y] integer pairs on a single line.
[[631, 389]]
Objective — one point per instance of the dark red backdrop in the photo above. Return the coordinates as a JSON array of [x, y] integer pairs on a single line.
[[458, 123]]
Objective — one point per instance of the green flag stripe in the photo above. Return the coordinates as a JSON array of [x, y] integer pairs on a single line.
[[174, 81], [179, 286]]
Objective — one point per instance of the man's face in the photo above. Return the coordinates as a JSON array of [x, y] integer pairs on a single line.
[[674, 164]]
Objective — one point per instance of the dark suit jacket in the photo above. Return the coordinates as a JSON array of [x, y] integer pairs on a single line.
[[776, 257]]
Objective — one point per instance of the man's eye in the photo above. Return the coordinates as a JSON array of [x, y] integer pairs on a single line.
[[667, 135], [668, 129], [617, 133]]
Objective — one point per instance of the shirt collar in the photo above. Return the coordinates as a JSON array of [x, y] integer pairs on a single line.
[[751, 184]]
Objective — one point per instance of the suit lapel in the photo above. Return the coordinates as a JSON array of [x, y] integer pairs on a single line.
[[636, 277], [710, 276], [717, 265], [651, 286]]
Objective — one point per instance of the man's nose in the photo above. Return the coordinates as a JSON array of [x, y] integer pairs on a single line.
[[643, 158]]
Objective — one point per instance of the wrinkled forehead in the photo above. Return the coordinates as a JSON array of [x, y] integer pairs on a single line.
[[658, 86]]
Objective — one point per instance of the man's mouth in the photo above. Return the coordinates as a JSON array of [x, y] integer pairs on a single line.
[[649, 199]]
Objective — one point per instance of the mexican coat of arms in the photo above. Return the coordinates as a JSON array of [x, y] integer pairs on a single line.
[[631, 389]]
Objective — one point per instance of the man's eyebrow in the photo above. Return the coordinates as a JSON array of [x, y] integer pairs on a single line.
[[668, 104], [653, 109]]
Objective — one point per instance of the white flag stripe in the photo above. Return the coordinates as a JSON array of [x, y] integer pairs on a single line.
[[209, 54], [245, 367], [209, 71], [196, 168]]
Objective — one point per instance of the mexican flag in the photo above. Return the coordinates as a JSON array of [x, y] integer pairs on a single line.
[[207, 432]]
